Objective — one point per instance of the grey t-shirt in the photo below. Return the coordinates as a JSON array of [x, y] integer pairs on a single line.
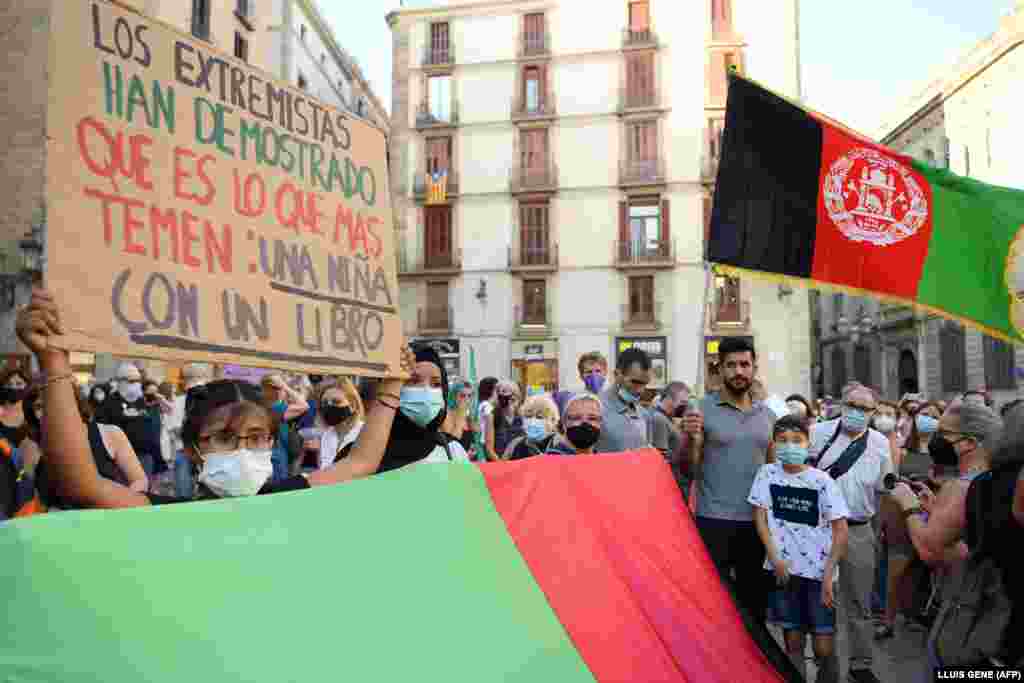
[[664, 435], [625, 426], [735, 447]]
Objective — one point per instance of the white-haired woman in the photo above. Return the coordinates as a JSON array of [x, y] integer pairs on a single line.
[[504, 424], [540, 422], [581, 426]]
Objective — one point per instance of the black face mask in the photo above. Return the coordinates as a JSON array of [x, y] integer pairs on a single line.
[[942, 451], [583, 435], [9, 396], [335, 415]]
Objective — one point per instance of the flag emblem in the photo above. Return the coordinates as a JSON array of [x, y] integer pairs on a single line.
[[871, 197]]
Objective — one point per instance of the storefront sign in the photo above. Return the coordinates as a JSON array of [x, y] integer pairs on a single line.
[[656, 348]]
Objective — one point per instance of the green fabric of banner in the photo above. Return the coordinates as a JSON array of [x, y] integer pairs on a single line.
[[408, 576]]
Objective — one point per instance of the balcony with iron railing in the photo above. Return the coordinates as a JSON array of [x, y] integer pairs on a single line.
[[427, 118], [532, 256], [634, 172], [633, 38], [533, 321], [420, 189], [533, 45], [438, 57], [635, 320], [539, 110], [730, 317], [434, 320], [644, 254], [423, 264], [638, 100], [524, 179]]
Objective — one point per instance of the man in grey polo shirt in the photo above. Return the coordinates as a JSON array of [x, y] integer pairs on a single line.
[[626, 426], [729, 441]]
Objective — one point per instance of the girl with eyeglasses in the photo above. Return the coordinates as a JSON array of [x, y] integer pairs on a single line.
[[228, 431]]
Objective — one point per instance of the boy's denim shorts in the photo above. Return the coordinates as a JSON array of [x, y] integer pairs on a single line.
[[798, 607]]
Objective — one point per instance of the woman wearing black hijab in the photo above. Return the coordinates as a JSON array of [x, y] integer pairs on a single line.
[[422, 407]]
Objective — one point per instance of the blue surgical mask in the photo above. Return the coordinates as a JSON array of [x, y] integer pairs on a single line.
[[926, 424], [791, 453], [536, 428], [594, 383], [854, 421], [421, 404], [628, 396]]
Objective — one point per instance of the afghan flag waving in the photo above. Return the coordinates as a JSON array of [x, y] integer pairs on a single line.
[[802, 197], [543, 570]]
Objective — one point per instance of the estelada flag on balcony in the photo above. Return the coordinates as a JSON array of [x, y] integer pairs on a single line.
[[802, 197], [437, 187], [545, 569]]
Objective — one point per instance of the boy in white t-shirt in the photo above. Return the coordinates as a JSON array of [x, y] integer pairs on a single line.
[[800, 516]]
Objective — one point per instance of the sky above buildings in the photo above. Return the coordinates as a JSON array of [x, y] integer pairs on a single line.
[[860, 59]]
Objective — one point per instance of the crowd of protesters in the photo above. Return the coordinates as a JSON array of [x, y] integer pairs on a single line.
[[854, 515]]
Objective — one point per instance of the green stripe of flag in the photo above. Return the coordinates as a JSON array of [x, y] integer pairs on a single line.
[[973, 226]]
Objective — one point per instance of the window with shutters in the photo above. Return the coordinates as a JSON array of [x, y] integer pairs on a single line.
[[534, 34], [439, 98], [201, 19], [532, 92], [728, 305], [644, 228], [241, 47], [953, 356], [438, 236], [640, 90], [438, 308], [439, 154], [721, 19], [642, 141], [439, 50], [639, 16], [862, 364], [534, 234], [641, 298], [534, 151], [708, 208], [535, 302], [838, 371], [1000, 364]]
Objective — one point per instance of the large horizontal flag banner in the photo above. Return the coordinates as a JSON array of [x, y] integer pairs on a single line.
[[801, 197], [547, 569]]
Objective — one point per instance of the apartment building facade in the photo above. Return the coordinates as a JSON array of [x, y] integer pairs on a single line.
[[552, 169], [288, 38], [964, 120]]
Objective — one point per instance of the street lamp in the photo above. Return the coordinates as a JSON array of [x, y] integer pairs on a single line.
[[862, 325]]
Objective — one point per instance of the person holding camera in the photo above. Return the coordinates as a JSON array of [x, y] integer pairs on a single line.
[[938, 523]]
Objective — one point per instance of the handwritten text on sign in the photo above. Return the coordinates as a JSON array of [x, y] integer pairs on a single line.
[[200, 209]]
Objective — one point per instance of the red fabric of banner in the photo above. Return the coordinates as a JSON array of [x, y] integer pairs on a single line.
[[611, 543]]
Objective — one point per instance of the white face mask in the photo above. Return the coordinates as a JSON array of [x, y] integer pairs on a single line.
[[885, 424], [236, 473]]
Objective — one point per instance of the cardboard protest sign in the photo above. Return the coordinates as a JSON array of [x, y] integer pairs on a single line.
[[199, 209]]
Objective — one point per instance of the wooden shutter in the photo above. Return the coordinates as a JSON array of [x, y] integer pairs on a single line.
[[533, 28], [623, 223], [707, 220], [1000, 360], [439, 37], [664, 228]]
